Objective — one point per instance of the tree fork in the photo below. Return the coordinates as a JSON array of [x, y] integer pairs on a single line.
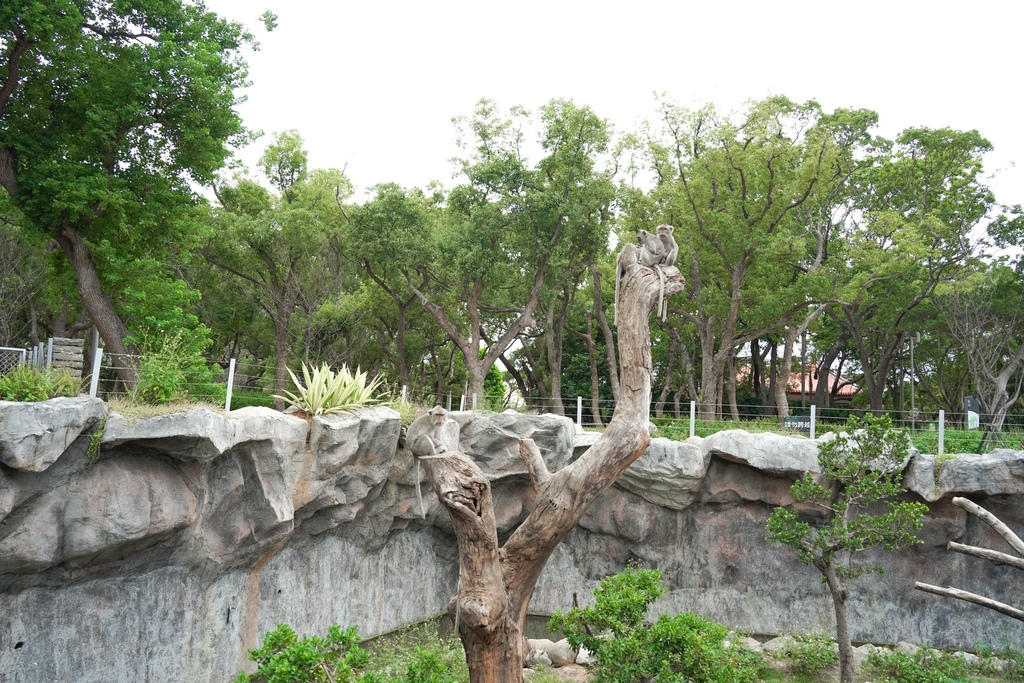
[[497, 584]]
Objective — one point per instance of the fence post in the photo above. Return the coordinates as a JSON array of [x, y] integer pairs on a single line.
[[942, 431], [449, 401], [49, 353], [94, 381], [579, 411], [405, 390], [462, 403], [693, 418], [474, 402], [813, 411], [231, 384]]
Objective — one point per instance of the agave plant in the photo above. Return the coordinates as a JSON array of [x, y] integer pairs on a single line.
[[326, 392]]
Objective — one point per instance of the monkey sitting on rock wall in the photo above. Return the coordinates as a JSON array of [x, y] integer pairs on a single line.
[[425, 439], [424, 435]]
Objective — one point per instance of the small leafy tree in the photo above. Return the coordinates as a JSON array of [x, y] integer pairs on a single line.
[[862, 472], [682, 647]]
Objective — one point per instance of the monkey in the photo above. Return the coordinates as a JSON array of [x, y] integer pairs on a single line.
[[627, 257], [669, 244], [424, 439], [652, 252], [424, 435], [671, 249]]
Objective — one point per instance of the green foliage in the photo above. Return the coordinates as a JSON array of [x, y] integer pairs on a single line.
[[28, 383], [861, 469], [421, 654], [684, 647], [169, 371], [339, 658], [811, 654], [95, 440], [326, 392], [284, 658], [926, 666]]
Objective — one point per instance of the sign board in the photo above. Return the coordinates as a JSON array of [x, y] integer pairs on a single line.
[[973, 410], [799, 423]]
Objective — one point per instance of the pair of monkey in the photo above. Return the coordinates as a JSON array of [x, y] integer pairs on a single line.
[[655, 250]]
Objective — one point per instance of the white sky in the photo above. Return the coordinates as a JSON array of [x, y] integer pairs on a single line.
[[374, 84]]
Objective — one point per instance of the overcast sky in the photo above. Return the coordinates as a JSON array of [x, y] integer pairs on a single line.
[[372, 85]]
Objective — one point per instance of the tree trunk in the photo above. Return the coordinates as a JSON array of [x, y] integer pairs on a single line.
[[496, 585], [606, 332], [782, 385], [281, 350], [101, 310], [839, 595], [730, 387]]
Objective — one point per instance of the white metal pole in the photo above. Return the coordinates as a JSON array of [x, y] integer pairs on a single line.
[[462, 403], [942, 431], [693, 417], [405, 391], [94, 382], [813, 411], [579, 411], [231, 384], [474, 402], [49, 353]]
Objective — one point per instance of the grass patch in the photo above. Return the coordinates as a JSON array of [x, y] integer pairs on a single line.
[[140, 411]]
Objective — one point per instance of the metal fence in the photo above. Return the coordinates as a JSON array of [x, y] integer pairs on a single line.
[[236, 383]]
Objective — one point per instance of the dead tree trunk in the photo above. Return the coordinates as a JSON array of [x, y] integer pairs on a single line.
[[497, 583], [984, 553]]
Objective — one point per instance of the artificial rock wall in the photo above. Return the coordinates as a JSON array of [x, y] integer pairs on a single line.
[[162, 549]]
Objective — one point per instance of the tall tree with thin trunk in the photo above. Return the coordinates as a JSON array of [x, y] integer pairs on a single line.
[[736, 188], [496, 581], [109, 117], [511, 224], [862, 472]]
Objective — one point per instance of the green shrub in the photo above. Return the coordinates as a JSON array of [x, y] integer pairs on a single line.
[[29, 384], [340, 658], [927, 666], [284, 658], [683, 647], [169, 371], [811, 654], [326, 392], [246, 398]]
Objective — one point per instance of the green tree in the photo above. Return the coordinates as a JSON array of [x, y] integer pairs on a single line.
[[742, 192], [919, 199], [984, 314], [389, 237], [862, 470], [286, 247], [502, 229], [109, 116]]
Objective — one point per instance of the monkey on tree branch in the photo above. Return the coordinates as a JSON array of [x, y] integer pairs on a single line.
[[496, 582]]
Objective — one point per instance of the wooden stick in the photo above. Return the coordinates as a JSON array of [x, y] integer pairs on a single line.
[[993, 522], [971, 597], [986, 554]]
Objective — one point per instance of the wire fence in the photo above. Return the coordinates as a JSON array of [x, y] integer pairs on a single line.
[[238, 383]]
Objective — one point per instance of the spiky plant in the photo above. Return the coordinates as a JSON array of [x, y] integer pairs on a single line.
[[326, 392]]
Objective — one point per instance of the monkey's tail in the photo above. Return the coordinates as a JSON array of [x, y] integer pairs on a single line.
[[419, 494]]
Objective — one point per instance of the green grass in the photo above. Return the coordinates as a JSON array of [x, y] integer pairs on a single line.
[[954, 441]]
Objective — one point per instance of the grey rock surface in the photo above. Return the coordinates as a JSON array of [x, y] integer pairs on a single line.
[[190, 536], [34, 435], [1000, 472], [669, 473], [767, 452]]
